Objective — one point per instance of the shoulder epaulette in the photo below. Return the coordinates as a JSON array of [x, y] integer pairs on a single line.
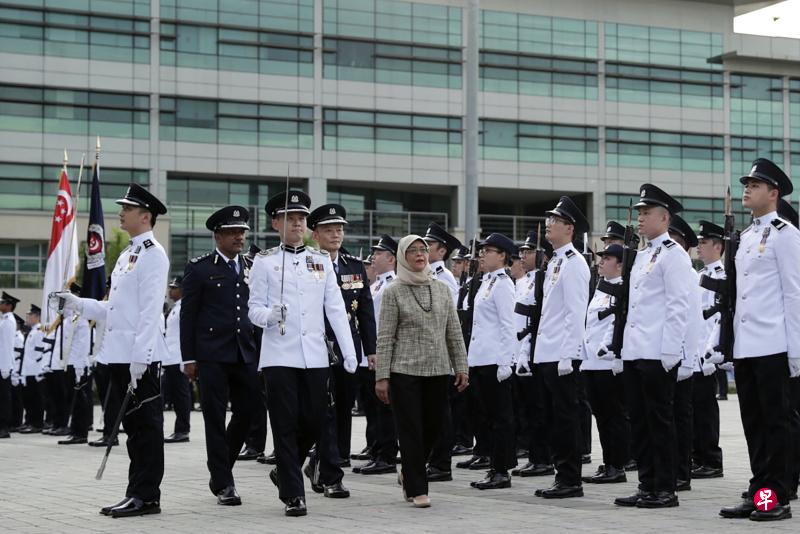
[[269, 251], [350, 257], [439, 269], [318, 252], [201, 257], [570, 254], [718, 269], [779, 224], [148, 243], [669, 243], [247, 260], [501, 275]]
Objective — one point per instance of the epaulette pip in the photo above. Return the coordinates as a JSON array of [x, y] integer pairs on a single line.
[[570, 254], [201, 257], [350, 257], [439, 270], [718, 269], [669, 243], [779, 224]]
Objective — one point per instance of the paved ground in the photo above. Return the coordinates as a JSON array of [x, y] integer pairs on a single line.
[[50, 488]]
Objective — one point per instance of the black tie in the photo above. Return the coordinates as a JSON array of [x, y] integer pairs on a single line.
[[232, 265]]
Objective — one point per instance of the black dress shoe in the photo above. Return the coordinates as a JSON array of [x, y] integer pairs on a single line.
[[537, 470], [601, 470], [106, 510], [308, 471], [248, 453], [683, 485], [461, 450], [273, 477], [632, 466], [516, 471], [31, 430], [494, 480], [295, 507], [660, 499], [269, 460], [586, 458], [4, 434], [609, 475], [739, 511], [358, 468], [72, 440], [483, 462], [434, 474], [561, 491], [177, 437], [707, 472], [134, 507], [378, 467], [103, 442], [229, 497], [464, 464], [61, 431], [336, 491], [631, 500], [781, 511], [365, 454]]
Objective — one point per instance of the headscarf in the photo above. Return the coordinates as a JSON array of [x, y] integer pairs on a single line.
[[406, 275]]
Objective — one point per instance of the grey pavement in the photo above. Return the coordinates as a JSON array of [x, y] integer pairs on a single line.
[[50, 488]]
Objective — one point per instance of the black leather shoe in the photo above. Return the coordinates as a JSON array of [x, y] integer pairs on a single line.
[[273, 477], [561, 491], [378, 467], [739, 511], [494, 481], [61, 431], [537, 470], [683, 485], [483, 462], [707, 472], [103, 442], [434, 474], [31, 430], [72, 440], [610, 475], [365, 454], [601, 470], [106, 510], [269, 460], [295, 507], [134, 507], [248, 453], [308, 471], [517, 470], [631, 500], [177, 437], [586, 458], [486, 478], [461, 450], [4, 434], [660, 499], [336, 491], [632, 466], [781, 511], [229, 497], [358, 468], [464, 464]]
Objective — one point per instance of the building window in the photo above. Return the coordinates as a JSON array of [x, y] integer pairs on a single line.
[[663, 86], [694, 209], [53, 32], [664, 150], [794, 108], [392, 133], [538, 142], [22, 263], [208, 47], [756, 105], [661, 46], [794, 163], [237, 123], [285, 15], [399, 64], [44, 110], [745, 150], [542, 76], [534, 34]]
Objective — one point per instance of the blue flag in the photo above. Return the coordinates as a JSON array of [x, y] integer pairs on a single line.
[[94, 268]]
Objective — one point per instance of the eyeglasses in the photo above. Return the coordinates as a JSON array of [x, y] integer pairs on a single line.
[[552, 219], [417, 250], [484, 250]]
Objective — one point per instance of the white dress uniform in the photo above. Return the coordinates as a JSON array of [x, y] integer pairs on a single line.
[[172, 355], [79, 342], [598, 331], [767, 289], [494, 338], [19, 349], [524, 294], [32, 356], [133, 310], [309, 289], [566, 292], [377, 288], [8, 328], [710, 334], [440, 272], [658, 307], [57, 356], [695, 342]]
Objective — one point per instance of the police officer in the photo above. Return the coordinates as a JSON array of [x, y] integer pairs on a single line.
[[654, 334], [441, 245], [292, 290], [766, 339], [78, 380], [459, 264], [132, 314], [32, 374], [8, 327], [558, 343], [175, 381]]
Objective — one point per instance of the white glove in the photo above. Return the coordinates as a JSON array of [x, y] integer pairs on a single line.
[[564, 367], [605, 354], [794, 367], [713, 356], [15, 381], [350, 364], [137, 370], [45, 369], [503, 372], [79, 372], [709, 368], [668, 361], [522, 367], [5, 373], [71, 302], [726, 366], [39, 378], [277, 313], [617, 366], [684, 373]]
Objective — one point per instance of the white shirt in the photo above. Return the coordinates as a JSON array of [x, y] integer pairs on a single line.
[[310, 293], [135, 303], [494, 338], [767, 289], [695, 343], [377, 288], [32, 356], [598, 331], [172, 355], [56, 357], [440, 272], [711, 325], [524, 294], [8, 327], [19, 349], [79, 342], [566, 293], [658, 305]]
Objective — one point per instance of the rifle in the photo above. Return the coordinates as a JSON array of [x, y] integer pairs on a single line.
[[594, 277], [620, 292], [534, 311], [465, 315], [725, 290]]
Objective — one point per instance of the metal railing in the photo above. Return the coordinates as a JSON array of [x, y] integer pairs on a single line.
[[515, 227]]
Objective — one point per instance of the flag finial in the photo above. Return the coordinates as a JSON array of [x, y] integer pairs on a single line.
[[97, 145], [66, 158]]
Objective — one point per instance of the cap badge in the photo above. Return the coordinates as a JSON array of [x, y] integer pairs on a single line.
[[235, 213], [332, 211], [754, 169], [608, 230], [295, 198], [128, 192], [644, 193]]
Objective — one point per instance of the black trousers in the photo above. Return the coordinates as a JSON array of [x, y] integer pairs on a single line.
[[257, 437], [180, 396], [705, 449], [57, 396], [5, 403], [651, 394], [584, 415], [34, 402], [538, 427], [144, 425], [521, 424], [81, 404], [384, 444], [684, 419], [442, 454], [369, 404], [794, 392], [420, 403], [763, 386], [297, 403], [498, 407], [478, 415], [606, 396], [111, 396], [345, 386], [563, 416], [219, 383], [17, 409], [326, 458], [722, 382]]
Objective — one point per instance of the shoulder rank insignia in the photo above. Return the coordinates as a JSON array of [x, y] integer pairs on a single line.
[[569, 253], [501, 275], [439, 270], [351, 257], [201, 257], [148, 243], [718, 269], [777, 223], [319, 252], [269, 251], [669, 243]]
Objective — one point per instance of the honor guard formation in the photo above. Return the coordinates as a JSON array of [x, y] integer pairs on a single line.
[[493, 352]]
